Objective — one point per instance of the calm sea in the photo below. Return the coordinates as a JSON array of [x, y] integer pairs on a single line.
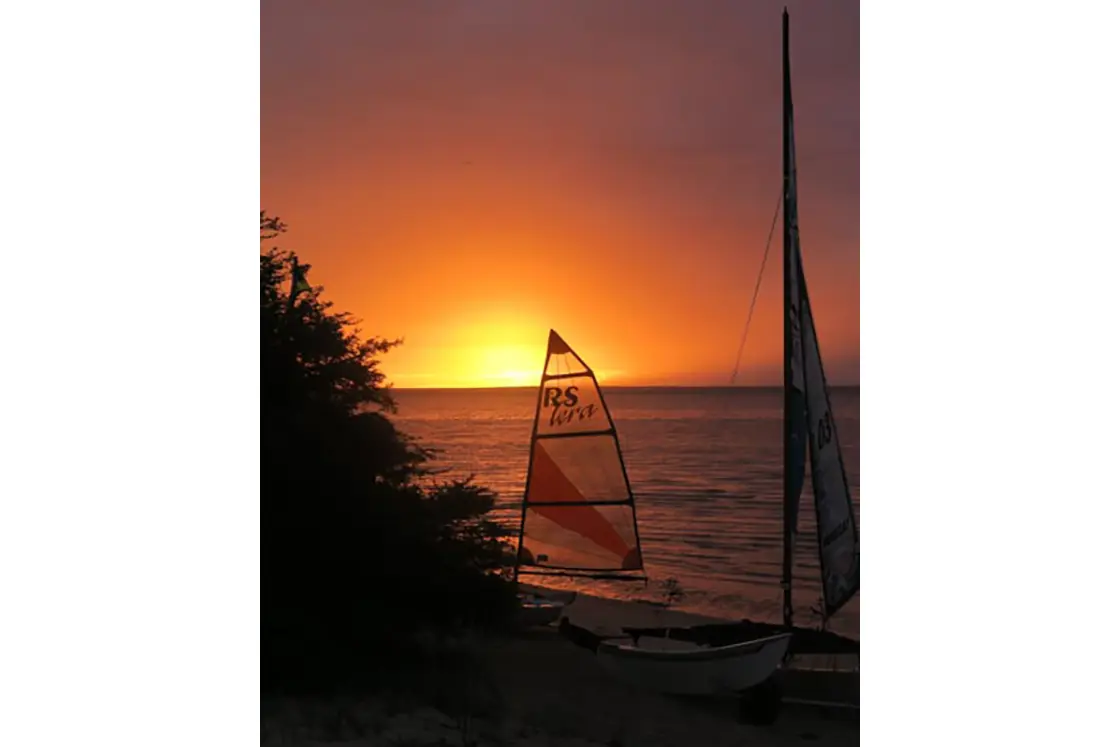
[[705, 465]]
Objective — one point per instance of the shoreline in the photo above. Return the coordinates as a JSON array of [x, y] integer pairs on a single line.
[[534, 688], [623, 617]]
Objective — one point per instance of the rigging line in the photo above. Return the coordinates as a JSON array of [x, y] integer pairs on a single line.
[[757, 285]]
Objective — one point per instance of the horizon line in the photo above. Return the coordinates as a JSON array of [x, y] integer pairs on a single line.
[[614, 386]]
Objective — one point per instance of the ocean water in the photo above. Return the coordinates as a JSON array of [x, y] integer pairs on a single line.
[[705, 465]]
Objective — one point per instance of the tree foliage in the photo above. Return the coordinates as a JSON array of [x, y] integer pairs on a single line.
[[359, 544]]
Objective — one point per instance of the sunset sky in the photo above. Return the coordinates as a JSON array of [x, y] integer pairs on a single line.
[[468, 175]]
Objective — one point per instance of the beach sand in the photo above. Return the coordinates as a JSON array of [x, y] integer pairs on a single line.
[[536, 688]]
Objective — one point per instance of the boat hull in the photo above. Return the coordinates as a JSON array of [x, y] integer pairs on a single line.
[[545, 608], [697, 671], [534, 614], [804, 641]]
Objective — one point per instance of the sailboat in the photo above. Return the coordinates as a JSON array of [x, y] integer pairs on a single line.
[[721, 660], [577, 514]]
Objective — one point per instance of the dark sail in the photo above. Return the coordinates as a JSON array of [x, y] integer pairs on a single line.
[[837, 535], [794, 386], [808, 412]]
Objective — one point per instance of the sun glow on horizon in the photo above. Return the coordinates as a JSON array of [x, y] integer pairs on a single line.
[[498, 380], [504, 365], [512, 362]]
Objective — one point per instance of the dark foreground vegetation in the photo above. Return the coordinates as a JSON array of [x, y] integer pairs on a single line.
[[361, 547]]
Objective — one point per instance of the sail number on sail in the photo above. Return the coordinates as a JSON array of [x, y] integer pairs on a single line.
[[568, 409], [824, 430]]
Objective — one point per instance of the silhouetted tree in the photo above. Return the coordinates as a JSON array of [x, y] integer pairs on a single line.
[[359, 545]]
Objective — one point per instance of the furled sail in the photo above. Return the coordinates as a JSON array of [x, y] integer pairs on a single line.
[[578, 512], [837, 536]]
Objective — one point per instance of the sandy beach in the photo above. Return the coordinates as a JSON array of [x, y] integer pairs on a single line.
[[536, 688]]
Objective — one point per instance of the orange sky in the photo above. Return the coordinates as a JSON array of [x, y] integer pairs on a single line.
[[469, 175]]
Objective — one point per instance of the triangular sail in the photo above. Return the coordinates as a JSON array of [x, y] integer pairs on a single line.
[[808, 413], [837, 535], [578, 512]]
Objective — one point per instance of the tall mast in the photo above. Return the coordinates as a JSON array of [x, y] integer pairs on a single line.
[[788, 479]]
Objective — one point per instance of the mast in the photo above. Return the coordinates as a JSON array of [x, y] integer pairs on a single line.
[[788, 478]]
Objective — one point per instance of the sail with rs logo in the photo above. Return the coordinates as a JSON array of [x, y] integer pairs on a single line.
[[577, 516]]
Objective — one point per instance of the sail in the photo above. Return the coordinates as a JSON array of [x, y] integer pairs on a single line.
[[837, 535], [578, 512], [795, 374]]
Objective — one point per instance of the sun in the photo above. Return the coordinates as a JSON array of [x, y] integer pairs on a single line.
[[506, 365], [500, 350]]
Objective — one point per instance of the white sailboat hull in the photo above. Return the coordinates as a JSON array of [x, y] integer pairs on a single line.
[[697, 670]]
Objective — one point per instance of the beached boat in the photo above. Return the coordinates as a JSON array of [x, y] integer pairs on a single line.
[[688, 669], [734, 657], [577, 514], [541, 606]]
